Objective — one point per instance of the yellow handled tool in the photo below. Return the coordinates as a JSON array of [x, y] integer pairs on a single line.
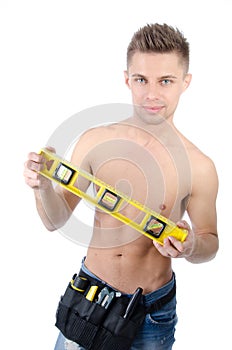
[[108, 199]]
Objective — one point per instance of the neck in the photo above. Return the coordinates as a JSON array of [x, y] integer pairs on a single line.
[[162, 130]]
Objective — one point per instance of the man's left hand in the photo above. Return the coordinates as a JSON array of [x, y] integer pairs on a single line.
[[173, 248]]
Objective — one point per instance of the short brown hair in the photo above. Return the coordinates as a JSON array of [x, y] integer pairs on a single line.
[[157, 38]]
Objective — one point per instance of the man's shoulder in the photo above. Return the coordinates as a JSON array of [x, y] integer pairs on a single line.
[[200, 161], [105, 131], [203, 167]]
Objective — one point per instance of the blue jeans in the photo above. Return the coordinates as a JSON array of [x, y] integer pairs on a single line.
[[157, 331]]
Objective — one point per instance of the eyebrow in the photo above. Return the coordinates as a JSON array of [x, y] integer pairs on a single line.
[[168, 76]]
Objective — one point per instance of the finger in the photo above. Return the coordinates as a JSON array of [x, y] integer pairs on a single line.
[[34, 184], [162, 250], [35, 180], [183, 224], [178, 245], [171, 250], [168, 249], [31, 174], [33, 166], [32, 178], [35, 157], [51, 149]]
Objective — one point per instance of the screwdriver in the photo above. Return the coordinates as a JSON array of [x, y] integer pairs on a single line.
[[91, 293], [133, 302]]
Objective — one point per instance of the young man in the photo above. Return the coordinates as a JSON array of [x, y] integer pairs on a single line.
[[149, 159]]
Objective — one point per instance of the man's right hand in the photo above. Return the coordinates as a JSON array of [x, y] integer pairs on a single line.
[[35, 163]]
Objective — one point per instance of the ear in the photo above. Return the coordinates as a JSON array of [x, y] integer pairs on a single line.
[[187, 81], [127, 80]]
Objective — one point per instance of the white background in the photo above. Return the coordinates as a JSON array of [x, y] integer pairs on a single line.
[[58, 58]]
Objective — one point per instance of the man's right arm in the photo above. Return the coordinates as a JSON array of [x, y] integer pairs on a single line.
[[55, 205]]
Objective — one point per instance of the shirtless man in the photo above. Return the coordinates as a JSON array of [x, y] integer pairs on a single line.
[[149, 159]]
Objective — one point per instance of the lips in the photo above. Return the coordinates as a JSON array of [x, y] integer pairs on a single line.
[[153, 109]]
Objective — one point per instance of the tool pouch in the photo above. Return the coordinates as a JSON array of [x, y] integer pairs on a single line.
[[95, 327]]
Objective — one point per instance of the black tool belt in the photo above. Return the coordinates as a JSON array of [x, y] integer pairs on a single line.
[[97, 317]]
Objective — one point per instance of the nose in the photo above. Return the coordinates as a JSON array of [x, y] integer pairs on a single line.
[[152, 92]]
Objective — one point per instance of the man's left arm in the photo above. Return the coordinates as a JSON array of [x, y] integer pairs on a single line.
[[201, 244]]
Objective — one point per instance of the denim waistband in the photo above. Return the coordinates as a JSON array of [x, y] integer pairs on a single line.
[[147, 298]]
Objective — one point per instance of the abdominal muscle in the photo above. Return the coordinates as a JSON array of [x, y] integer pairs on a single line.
[[126, 259]]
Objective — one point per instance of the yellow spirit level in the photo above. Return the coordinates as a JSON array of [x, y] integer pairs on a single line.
[[108, 199]]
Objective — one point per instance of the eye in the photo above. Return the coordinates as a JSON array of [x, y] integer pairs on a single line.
[[140, 80], [166, 82]]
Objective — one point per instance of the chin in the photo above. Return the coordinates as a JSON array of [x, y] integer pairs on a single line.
[[154, 120], [147, 117]]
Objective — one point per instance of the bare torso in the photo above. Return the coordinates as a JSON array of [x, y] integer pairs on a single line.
[[152, 170]]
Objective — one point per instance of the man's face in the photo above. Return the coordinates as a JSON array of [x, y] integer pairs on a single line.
[[156, 82]]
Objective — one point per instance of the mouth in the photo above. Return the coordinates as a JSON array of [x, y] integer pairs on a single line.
[[153, 109]]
